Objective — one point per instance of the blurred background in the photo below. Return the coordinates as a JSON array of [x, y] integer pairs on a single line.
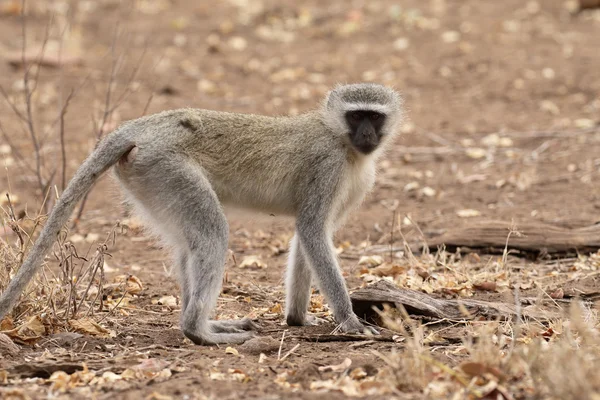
[[487, 85]]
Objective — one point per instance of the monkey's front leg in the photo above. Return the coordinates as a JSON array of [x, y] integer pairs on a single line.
[[318, 248]]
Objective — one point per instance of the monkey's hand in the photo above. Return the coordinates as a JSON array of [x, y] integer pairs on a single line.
[[353, 325]]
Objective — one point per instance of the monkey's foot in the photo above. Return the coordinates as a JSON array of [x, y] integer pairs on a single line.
[[303, 320], [353, 326], [232, 326], [209, 338]]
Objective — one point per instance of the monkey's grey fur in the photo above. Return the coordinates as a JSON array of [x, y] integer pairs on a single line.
[[178, 167]]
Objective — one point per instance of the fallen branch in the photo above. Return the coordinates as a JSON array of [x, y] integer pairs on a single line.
[[419, 303], [322, 338], [536, 237]]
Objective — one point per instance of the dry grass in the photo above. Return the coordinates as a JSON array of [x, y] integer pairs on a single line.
[[73, 289], [562, 362]]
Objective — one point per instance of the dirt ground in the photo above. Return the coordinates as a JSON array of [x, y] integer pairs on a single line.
[[503, 107]]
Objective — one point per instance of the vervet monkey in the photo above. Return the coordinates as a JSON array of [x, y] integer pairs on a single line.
[[178, 168]]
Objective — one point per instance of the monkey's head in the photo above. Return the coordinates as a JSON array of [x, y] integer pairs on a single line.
[[365, 114]]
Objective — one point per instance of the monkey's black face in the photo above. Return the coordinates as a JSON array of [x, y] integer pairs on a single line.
[[365, 129]]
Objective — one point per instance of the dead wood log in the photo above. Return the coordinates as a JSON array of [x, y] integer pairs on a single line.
[[419, 303], [534, 237]]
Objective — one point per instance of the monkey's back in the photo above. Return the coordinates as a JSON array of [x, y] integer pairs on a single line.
[[251, 160]]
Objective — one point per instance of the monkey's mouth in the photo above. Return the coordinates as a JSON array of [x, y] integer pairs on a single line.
[[365, 148]]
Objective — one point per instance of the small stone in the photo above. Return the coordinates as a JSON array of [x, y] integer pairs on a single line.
[[401, 43], [549, 107], [548, 73], [511, 26], [207, 86], [180, 40], [238, 43], [409, 187], [428, 192], [450, 36], [475, 153], [468, 213]]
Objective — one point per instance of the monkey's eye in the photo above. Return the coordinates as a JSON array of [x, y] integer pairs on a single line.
[[375, 116], [356, 116]]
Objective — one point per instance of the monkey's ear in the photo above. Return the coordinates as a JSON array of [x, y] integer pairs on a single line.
[[331, 100]]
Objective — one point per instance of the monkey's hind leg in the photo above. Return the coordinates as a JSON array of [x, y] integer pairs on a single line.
[[297, 281], [181, 201]]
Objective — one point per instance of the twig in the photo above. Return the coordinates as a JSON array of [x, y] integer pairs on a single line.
[[109, 108], [125, 292], [322, 338], [362, 344], [289, 352], [281, 345], [392, 236], [63, 152], [28, 92]]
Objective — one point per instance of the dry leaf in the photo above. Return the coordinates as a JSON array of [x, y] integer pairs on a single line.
[[3, 377], [344, 365], [92, 237], [370, 261], [7, 324], [409, 187], [238, 375], [29, 332], [475, 153], [217, 376], [276, 309], [473, 369], [428, 191], [489, 286], [468, 213], [450, 36], [169, 301], [388, 270], [76, 238], [231, 350], [584, 123], [252, 262], [130, 283], [89, 327]]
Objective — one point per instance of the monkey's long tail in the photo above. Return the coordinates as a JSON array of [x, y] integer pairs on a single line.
[[108, 152]]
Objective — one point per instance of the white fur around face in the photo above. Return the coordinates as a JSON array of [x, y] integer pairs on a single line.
[[334, 110]]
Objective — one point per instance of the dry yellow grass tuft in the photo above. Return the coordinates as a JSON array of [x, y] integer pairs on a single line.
[[71, 295], [501, 360]]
